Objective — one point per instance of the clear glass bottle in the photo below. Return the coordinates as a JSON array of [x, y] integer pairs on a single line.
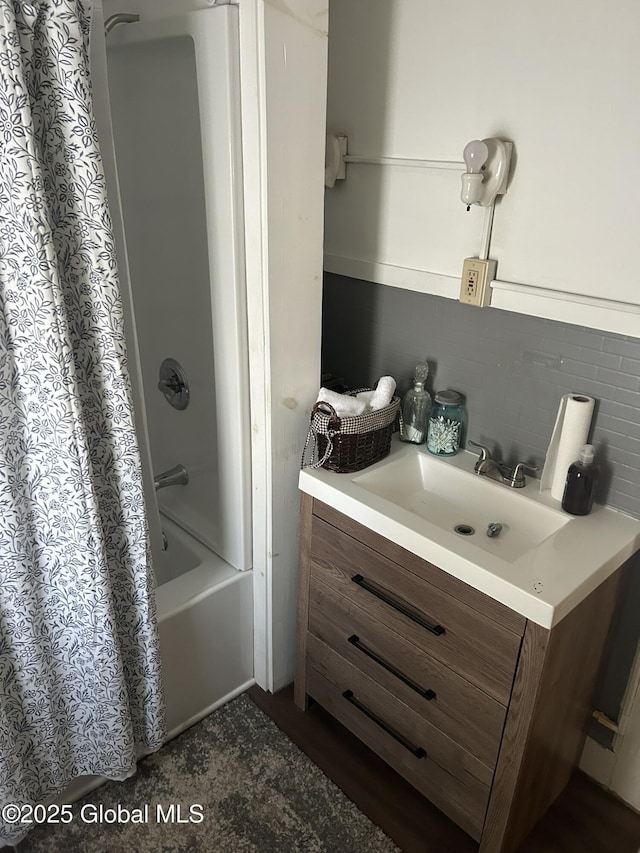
[[416, 406], [582, 479], [446, 423]]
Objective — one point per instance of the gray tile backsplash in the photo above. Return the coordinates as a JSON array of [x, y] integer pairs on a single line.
[[513, 370]]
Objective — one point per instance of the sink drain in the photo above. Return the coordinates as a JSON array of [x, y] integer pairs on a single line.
[[464, 529]]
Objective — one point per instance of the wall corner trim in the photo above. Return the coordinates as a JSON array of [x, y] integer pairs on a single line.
[[595, 312], [393, 275], [605, 314]]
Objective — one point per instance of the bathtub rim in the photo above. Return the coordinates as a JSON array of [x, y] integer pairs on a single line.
[[187, 589]]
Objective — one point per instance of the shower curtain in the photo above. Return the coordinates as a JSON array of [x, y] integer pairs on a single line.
[[80, 686]]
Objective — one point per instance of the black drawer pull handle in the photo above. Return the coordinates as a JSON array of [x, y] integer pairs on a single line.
[[397, 605], [355, 641], [418, 751]]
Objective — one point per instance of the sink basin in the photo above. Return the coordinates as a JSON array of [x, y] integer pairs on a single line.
[[543, 563], [464, 504]]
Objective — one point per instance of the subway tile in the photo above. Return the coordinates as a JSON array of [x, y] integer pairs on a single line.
[[626, 487], [578, 368], [618, 410], [616, 426], [631, 366], [624, 503], [627, 397], [508, 365], [539, 420], [622, 441], [584, 337], [617, 379], [535, 445], [629, 348], [623, 472], [602, 359], [563, 348], [630, 457], [600, 390]]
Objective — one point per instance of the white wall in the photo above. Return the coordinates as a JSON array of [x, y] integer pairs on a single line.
[[283, 71], [409, 78], [296, 46]]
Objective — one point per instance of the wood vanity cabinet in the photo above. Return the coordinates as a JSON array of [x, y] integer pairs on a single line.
[[480, 709]]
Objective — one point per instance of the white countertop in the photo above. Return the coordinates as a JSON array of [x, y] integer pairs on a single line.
[[543, 584]]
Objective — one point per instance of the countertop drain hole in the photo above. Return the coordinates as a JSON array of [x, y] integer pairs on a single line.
[[464, 529]]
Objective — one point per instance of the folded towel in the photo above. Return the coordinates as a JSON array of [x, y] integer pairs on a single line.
[[344, 404], [383, 393], [366, 396]]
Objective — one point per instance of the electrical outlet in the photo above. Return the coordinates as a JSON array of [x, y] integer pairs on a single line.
[[476, 276]]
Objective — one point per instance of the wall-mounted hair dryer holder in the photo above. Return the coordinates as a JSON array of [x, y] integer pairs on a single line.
[[490, 180]]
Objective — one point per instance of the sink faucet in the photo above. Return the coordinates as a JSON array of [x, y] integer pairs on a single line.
[[178, 476], [498, 471]]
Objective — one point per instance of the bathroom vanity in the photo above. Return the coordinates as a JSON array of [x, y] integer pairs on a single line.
[[466, 663]]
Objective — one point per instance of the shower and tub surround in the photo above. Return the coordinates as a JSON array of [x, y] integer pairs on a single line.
[[79, 655], [174, 99]]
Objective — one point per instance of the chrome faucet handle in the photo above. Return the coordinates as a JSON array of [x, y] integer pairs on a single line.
[[517, 476], [485, 453]]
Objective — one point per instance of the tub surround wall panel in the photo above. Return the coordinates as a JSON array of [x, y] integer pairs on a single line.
[[175, 97], [153, 87], [512, 369], [102, 109]]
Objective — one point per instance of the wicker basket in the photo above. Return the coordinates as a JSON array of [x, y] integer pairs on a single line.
[[348, 444]]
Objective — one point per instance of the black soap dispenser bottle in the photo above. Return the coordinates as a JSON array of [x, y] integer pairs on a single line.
[[580, 486]]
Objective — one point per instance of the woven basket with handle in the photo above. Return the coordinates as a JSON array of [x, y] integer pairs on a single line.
[[348, 444]]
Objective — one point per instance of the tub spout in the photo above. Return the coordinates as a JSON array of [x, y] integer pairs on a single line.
[[119, 18], [178, 476]]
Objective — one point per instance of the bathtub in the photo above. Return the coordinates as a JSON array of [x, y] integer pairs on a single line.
[[205, 624], [173, 100], [205, 621]]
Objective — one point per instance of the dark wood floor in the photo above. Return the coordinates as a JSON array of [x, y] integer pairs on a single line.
[[584, 819]]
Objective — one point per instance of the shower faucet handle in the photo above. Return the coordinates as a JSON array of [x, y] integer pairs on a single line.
[[172, 383]]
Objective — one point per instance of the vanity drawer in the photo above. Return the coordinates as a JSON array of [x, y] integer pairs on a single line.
[[492, 609], [463, 638], [425, 757], [458, 709]]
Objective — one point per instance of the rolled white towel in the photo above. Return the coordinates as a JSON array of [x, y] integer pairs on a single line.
[[383, 393], [344, 404], [366, 396]]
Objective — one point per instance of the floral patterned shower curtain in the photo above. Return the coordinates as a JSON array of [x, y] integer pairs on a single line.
[[80, 688]]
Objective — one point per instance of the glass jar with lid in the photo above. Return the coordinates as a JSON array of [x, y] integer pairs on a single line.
[[446, 423]]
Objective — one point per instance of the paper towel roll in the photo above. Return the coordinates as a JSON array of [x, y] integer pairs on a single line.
[[570, 432]]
